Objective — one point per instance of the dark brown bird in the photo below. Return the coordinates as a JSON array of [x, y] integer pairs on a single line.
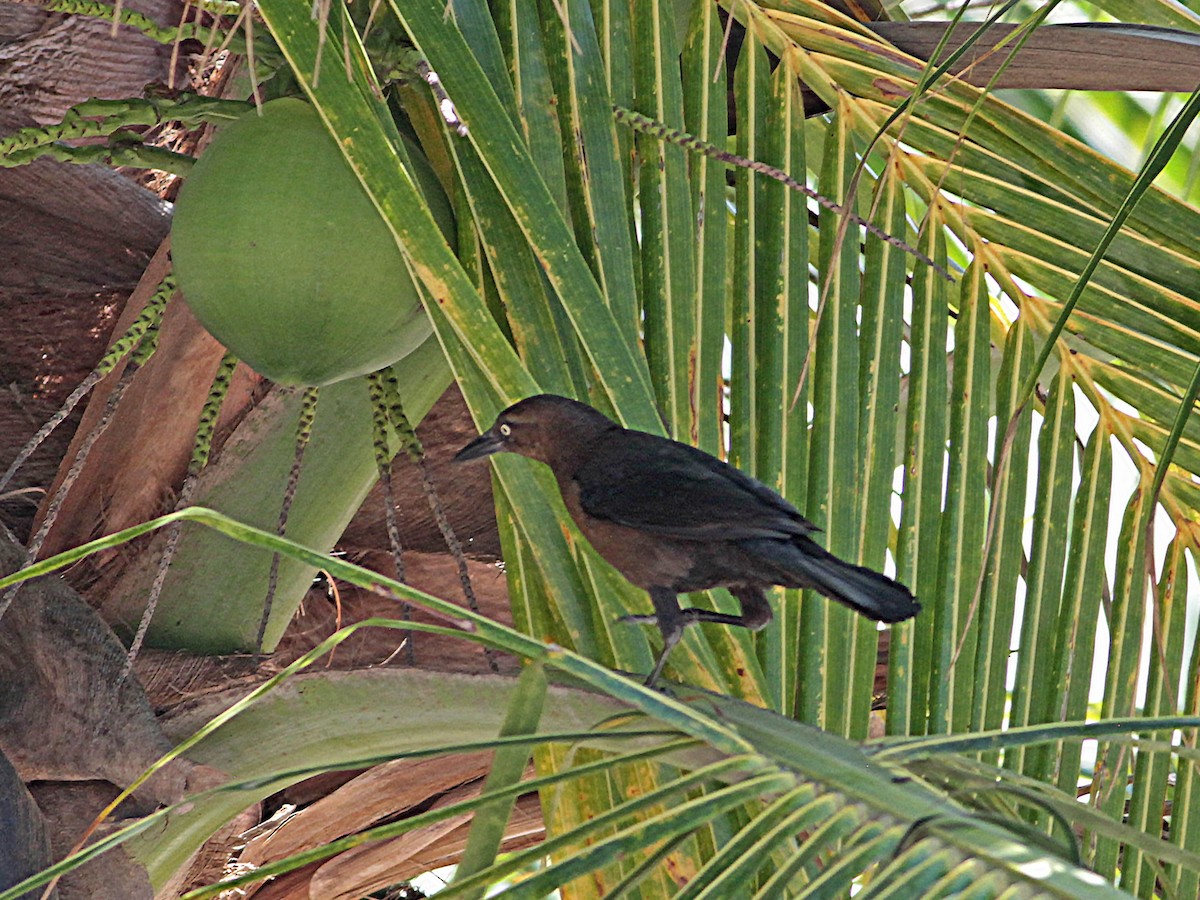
[[673, 519]]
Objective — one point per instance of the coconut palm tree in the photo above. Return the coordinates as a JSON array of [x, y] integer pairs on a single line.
[[941, 359]]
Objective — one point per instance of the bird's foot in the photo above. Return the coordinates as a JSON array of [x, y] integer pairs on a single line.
[[671, 620], [674, 621], [692, 616], [639, 620]]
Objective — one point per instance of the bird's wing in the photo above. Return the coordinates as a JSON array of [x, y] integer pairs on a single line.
[[668, 488]]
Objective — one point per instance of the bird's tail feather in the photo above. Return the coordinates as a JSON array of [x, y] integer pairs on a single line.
[[806, 564]]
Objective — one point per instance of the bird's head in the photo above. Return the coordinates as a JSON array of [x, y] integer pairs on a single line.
[[548, 428]]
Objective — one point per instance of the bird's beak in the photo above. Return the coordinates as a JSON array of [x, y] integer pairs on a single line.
[[484, 445]]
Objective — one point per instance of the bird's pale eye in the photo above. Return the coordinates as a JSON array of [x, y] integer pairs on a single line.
[[505, 430]]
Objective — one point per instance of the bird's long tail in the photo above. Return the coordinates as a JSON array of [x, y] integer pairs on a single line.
[[803, 563]]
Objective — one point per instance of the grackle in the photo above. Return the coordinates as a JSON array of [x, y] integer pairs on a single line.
[[673, 519]]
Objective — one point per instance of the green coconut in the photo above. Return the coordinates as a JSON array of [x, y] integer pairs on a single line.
[[284, 259]]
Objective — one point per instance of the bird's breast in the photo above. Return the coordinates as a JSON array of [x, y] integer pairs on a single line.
[[647, 560]]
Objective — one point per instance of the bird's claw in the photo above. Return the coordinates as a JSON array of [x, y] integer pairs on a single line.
[[639, 619], [692, 616]]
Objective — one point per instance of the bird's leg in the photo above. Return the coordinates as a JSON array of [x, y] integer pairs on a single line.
[[756, 609], [670, 620], [756, 612]]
